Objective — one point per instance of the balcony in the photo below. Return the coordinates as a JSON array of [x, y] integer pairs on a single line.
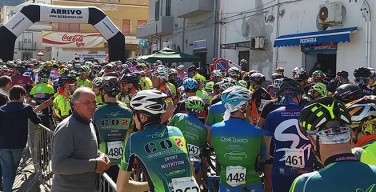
[[189, 8], [162, 27], [27, 46]]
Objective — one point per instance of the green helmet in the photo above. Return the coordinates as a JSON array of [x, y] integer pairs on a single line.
[[209, 86], [194, 104], [321, 89], [242, 83]]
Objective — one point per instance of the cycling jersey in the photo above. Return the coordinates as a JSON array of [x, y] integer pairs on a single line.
[[194, 132], [99, 100], [83, 83], [368, 155], [347, 174], [164, 89], [22, 80], [215, 114], [112, 122], [199, 77], [162, 153], [292, 150], [203, 95], [126, 97], [145, 83], [237, 145], [61, 107], [259, 99]]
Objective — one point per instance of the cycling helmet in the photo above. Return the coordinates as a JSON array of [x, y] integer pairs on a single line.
[[318, 75], [192, 68], [316, 114], [233, 98], [242, 83], [297, 70], [190, 84], [290, 86], [277, 76], [301, 75], [130, 78], [362, 72], [44, 73], [161, 72], [320, 88], [66, 80], [344, 74], [85, 69], [111, 85], [363, 117], [216, 73], [149, 101], [194, 104], [227, 83], [257, 77], [209, 86], [280, 69], [234, 72], [277, 83], [97, 82], [172, 71], [348, 92], [180, 67]]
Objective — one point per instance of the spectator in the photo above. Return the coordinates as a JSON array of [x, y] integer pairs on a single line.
[[5, 84], [76, 160], [13, 133]]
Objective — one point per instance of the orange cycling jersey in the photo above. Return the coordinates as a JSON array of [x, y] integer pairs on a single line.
[[164, 89]]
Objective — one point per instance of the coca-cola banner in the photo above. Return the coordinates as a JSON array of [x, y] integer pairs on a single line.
[[64, 14], [72, 40]]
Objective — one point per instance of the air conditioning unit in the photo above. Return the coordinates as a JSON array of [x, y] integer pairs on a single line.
[[258, 42], [331, 13]]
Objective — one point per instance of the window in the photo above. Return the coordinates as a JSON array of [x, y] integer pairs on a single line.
[[141, 22], [156, 16], [69, 27], [126, 26], [168, 7]]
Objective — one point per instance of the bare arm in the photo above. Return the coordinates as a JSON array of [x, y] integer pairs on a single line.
[[124, 184], [44, 105], [268, 167], [169, 112]]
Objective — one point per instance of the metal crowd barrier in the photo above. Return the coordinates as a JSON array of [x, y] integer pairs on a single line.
[[39, 144]]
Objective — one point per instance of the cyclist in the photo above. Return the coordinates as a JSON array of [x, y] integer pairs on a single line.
[[192, 73], [145, 82], [159, 79], [40, 93], [61, 102], [292, 150], [19, 79], [362, 79], [172, 85], [190, 88], [342, 78], [161, 150], [194, 132], [96, 86], [113, 122], [238, 145], [325, 122], [83, 79], [302, 78], [363, 116], [260, 97], [129, 87], [318, 77], [234, 73]]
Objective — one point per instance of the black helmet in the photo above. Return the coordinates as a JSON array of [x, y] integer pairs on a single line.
[[301, 75], [66, 79], [362, 72], [44, 73], [111, 85], [344, 74], [290, 86], [277, 76], [316, 114], [130, 78], [257, 77], [348, 92]]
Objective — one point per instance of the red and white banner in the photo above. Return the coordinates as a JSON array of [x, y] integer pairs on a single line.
[[72, 40]]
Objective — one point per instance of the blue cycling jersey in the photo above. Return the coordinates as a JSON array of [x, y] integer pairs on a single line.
[[215, 114]]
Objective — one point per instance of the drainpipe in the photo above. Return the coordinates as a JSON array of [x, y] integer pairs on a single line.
[[369, 33], [276, 50], [183, 39], [216, 27]]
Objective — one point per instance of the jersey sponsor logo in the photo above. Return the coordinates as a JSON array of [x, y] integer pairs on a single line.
[[371, 188], [236, 155], [164, 147], [114, 114], [234, 140], [295, 136]]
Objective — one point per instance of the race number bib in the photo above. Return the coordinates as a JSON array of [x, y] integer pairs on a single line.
[[235, 175], [194, 150], [115, 149], [295, 158], [185, 184]]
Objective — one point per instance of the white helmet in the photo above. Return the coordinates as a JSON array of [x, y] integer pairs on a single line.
[[150, 101], [362, 111]]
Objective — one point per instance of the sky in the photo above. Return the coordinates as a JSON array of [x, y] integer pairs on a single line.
[[10, 2]]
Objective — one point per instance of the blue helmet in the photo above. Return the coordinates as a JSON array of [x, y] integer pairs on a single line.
[[235, 96], [190, 84]]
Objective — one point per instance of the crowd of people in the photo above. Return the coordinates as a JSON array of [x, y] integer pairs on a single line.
[[160, 127]]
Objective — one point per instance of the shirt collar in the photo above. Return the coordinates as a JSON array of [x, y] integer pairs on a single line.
[[80, 119]]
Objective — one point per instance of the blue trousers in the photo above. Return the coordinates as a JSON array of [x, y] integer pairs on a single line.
[[9, 159]]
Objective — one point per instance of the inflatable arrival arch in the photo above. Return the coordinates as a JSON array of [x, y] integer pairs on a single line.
[[61, 14]]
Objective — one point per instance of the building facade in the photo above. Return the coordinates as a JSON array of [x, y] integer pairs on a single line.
[[327, 35], [187, 26], [125, 14]]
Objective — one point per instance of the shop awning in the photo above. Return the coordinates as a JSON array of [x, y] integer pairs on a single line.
[[315, 38]]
